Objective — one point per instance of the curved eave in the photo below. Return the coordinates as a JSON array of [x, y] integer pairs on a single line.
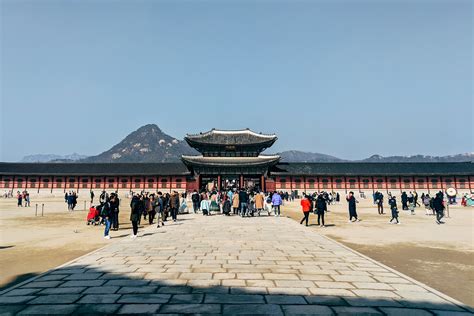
[[200, 143], [230, 161]]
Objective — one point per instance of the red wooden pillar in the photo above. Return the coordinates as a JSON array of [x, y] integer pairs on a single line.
[[218, 182], [372, 180], [332, 183], [317, 185], [469, 181], [39, 183], [345, 184], [414, 185], [304, 184], [400, 183], [428, 184], [241, 181], [262, 181], [170, 182]]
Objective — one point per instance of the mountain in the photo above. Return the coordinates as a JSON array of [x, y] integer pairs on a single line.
[[302, 156], [150, 144], [422, 158], [52, 158], [147, 144]]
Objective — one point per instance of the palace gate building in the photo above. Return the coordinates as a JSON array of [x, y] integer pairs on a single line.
[[233, 159]]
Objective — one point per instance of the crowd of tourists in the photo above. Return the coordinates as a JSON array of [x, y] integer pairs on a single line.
[[242, 202], [149, 206]]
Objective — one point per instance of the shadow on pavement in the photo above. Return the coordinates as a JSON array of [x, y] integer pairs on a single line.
[[112, 289]]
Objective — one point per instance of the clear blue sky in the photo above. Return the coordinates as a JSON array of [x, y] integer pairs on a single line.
[[347, 78]]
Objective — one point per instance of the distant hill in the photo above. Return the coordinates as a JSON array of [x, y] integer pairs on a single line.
[[147, 144], [52, 158], [302, 156], [422, 158], [150, 144]]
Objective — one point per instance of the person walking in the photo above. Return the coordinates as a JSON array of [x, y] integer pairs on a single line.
[[174, 205], [276, 202], [306, 208], [135, 214], [205, 205], [114, 211], [392, 201], [380, 203], [259, 201], [404, 198], [243, 200], [105, 214], [411, 203], [19, 197], [92, 196], [195, 198], [438, 208], [159, 210], [351, 201], [321, 208], [235, 203]]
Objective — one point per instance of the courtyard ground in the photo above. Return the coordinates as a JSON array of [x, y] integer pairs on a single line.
[[438, 255]]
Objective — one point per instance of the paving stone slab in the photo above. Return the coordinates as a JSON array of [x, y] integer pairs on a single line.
[[390, 311], [306, 310], [250, 309], [49, 310], [97, 309], [285, 299], [144, 299], [55, 299], [99, 299], [234, 299], [191, 308], [130, 309]]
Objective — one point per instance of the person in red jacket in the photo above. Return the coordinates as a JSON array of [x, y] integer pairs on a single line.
[[306, 207]]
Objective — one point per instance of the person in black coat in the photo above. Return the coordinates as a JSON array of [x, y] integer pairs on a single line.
[[321, 208], [438, 207], [136, 206], [114, 211], [351, 201], [243, 200], [392, 201], [404, 198]]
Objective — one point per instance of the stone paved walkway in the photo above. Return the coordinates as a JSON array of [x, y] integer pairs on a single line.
[[226, 265]]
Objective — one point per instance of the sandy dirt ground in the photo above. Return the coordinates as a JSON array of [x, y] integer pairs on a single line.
[[441, 256], [31, 244]]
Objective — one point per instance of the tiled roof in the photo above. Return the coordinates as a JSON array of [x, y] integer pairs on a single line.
[[238, 137], [366, 168], [335, 169], [177, 168]]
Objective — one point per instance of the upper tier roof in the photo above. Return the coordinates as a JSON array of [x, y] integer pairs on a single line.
[[234, 138]]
